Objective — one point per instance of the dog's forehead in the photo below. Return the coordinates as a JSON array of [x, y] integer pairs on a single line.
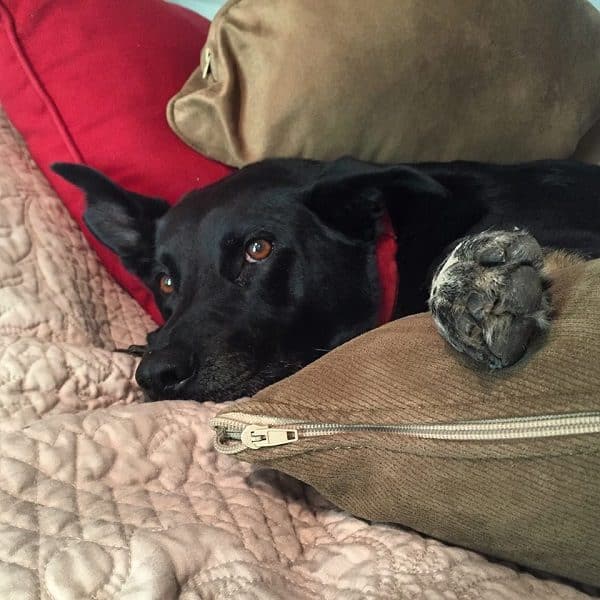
[[230, 207], [262, 195], [233, 203], [199, 228]]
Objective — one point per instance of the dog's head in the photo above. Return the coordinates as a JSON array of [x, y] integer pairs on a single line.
[[256, 275]]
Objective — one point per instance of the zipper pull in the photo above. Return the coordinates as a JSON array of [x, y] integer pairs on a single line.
[[256, 436], [207, 61]]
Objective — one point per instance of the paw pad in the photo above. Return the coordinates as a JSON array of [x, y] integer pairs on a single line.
[[489, 297]]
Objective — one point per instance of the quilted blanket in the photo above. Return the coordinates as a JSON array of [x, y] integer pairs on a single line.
[[103, 496]]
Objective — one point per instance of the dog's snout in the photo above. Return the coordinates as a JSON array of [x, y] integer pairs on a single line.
[[163, 372]]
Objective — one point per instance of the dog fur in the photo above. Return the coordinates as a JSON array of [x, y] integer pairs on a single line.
[[473, 239]]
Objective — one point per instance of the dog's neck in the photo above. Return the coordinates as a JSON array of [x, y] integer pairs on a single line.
[[425, 225]]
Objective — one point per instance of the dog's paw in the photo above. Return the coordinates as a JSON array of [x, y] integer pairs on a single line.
[[490, 298]]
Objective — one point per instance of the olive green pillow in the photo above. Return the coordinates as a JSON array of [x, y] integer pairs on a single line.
[[394, 80], [395, 426]]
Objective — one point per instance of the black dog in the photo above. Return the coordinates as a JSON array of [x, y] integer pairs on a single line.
[[263, 272]]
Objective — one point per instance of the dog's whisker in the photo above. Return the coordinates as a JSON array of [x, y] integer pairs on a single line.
[[133, 350]]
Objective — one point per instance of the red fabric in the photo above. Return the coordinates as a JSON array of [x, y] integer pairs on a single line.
[[88, 81], [387, 267]]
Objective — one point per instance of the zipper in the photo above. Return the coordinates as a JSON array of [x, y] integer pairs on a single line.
[[207, 61], [236, 432]]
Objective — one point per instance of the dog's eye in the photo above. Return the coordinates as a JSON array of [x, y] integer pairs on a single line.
[[166, 284], [258, 250]]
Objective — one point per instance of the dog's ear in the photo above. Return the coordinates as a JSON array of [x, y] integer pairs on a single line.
[[349, 194], [122, 220]]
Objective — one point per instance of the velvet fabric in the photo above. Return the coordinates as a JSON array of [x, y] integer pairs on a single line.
[[393, 81]]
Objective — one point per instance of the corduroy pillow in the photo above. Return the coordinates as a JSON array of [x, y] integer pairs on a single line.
[[506, 463], [394, 80]]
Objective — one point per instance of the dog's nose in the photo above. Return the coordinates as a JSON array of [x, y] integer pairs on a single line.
[[162, 372]]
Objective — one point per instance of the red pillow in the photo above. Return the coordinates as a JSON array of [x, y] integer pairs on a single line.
[[89, 81]]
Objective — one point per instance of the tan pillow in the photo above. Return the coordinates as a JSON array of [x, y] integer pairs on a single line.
[[394, 80], [522, 483]]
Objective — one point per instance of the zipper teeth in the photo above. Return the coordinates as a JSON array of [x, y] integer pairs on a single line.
[[232, 426], [512, 427], [462, 432]]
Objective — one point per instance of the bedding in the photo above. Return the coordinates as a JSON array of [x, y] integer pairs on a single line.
[[104, 497]]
